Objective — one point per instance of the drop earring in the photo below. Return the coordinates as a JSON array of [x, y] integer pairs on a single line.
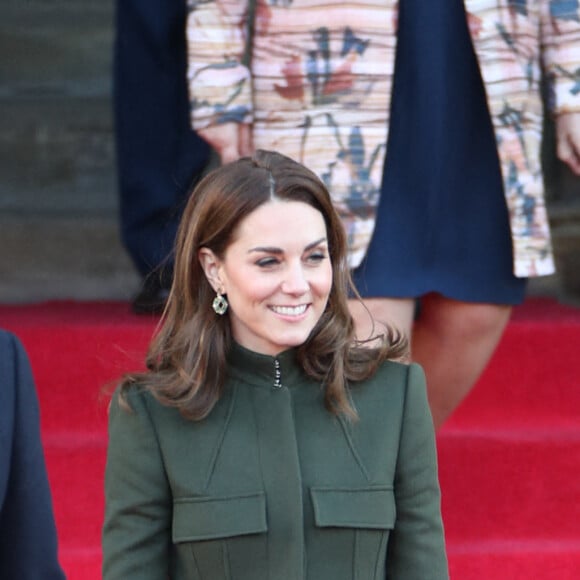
[[219, 304]]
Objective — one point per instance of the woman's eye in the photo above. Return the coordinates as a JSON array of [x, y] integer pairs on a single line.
[[317, 257], [267, 262]]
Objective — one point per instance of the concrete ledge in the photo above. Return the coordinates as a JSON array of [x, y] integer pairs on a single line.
[[63, 258], [57, 155], [61, 47]]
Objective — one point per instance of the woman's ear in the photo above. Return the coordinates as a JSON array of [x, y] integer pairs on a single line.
[[211, 266]]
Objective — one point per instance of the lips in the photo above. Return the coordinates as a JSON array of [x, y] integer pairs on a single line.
[[290, 310]]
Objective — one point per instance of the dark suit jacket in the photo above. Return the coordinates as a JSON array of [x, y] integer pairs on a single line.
[[28, 545]]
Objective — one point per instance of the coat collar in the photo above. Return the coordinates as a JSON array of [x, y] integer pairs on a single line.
[[262, 370]]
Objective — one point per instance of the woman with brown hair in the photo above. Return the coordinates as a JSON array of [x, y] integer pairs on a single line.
[[263, 441]]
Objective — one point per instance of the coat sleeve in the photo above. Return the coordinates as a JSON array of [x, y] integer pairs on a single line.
[[560, 29], [417, 544], [219, 78], [28, 541], [137, 526]]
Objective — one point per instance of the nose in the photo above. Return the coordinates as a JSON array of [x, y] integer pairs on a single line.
[[295, 282]]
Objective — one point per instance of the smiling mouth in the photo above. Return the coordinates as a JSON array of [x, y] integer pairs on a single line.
[[290, 310]]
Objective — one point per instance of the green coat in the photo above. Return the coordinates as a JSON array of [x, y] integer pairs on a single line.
[[271, 486]]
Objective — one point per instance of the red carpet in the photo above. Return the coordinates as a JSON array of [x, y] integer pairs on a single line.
[[509, 458]]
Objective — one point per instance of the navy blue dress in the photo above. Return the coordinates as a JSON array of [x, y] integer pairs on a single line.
[[442, 223]]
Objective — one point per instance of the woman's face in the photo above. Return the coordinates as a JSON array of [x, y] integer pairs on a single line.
[[277, 275]]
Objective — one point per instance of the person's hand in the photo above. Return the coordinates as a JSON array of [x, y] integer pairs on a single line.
[[568, 140], [230, 140]]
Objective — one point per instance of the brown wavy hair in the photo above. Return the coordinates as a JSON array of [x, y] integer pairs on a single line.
[[187, 358]]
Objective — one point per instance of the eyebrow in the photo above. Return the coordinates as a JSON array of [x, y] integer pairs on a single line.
[[273, 250]]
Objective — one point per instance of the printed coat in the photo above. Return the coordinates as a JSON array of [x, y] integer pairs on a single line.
[[316, 84]]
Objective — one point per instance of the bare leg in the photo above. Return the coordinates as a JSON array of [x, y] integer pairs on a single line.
[[397, 312], [452, 340]]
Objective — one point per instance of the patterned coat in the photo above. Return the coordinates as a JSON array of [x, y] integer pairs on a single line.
[[316, 84]]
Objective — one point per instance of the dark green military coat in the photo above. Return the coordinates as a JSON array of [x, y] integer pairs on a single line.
[[271, 486]]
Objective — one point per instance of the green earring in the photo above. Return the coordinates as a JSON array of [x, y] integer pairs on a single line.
[[219, 304]]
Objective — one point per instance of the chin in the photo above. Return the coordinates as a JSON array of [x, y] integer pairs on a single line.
[[294, 340]]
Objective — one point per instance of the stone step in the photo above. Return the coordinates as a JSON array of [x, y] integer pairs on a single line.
[[79, 257], [56, 133], [57, 156], [61, 47]]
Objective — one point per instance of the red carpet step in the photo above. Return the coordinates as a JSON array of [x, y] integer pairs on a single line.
[[509, 458]]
